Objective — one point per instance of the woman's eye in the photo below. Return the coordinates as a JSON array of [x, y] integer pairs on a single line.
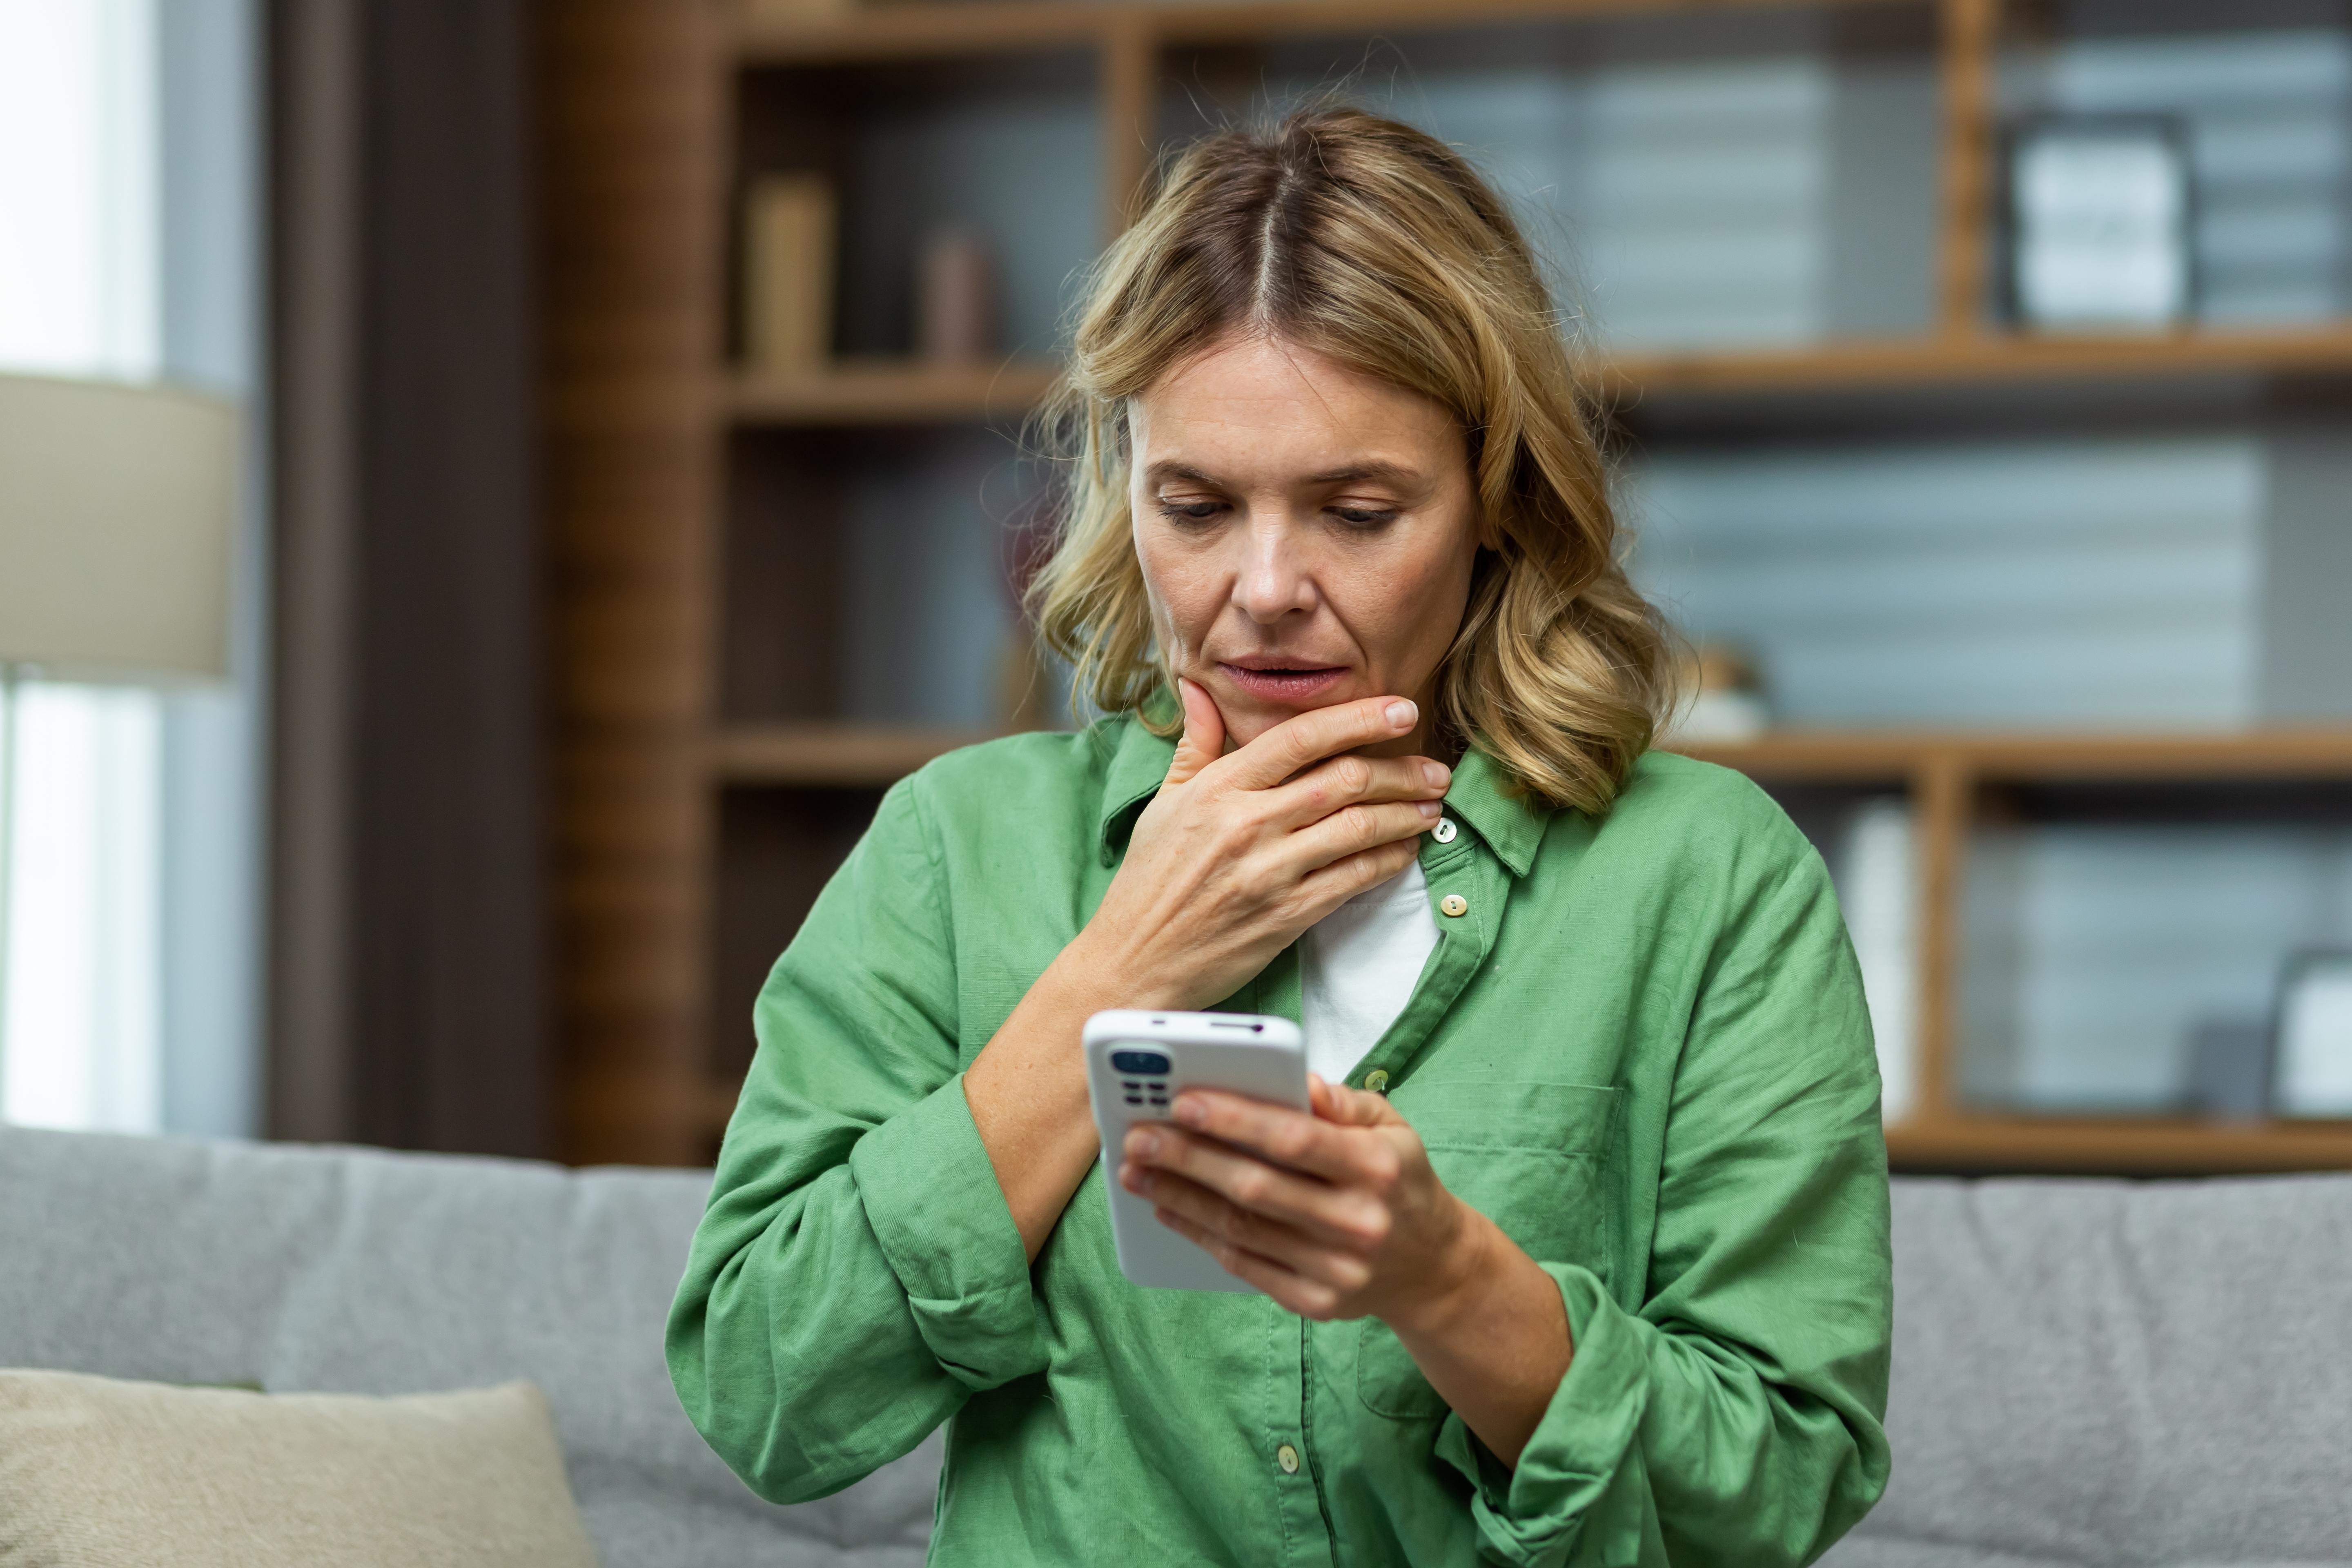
[[1191, 511], [1364, 516]]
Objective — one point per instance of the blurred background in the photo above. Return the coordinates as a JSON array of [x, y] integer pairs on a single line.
[[627, 400]]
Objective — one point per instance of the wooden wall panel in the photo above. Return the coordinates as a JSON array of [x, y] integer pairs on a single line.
[[632, 201]]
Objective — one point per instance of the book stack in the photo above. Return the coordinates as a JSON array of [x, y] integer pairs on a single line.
[[1877, 885], [789, 232]]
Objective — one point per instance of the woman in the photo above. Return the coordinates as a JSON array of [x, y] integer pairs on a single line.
[[1583, 1255]]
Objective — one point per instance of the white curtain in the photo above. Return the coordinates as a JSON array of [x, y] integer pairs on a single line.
[[80, 295]]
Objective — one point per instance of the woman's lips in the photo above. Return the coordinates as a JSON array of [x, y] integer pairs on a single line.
[[1295, 685]]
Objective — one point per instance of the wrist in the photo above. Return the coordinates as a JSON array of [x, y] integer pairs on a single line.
[[1093, 974], [1465, 1275]]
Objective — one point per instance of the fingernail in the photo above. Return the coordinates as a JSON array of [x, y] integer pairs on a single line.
[[1427, 808], [1403, 713], [1438, 775], [1142, 1144], [1191, 1112]]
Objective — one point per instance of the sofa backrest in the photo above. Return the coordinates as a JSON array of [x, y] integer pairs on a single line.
[[356, 1271], [2086, 1371], [2099, 1371]]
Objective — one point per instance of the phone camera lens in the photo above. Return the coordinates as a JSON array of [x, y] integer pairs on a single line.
[[1142, 1064]]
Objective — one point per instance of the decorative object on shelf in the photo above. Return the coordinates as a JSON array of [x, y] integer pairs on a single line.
[[118, 507], [955, 298], [789, 228], [2314, 1072], [1725, 704], [1877, 888], [2099, 215], [2230, 1070]]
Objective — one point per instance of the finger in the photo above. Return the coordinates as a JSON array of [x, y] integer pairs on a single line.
[[1336, 1215], [1335, 1155], [1353, 829], [1288, 1288], [1203, 740], [1321, 733], [1320, 892], [1342, 781], [1341, 1215], [1355, 1107], [1284, 1247]]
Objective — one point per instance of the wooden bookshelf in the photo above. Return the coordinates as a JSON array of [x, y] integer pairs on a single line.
[[646, 423]]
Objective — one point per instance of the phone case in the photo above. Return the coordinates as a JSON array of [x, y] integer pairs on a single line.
[[1242, 1053]]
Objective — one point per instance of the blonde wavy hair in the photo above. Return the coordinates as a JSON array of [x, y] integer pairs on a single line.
[[1374, 244]]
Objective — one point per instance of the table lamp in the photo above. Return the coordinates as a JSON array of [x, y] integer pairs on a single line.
[[117, 512]]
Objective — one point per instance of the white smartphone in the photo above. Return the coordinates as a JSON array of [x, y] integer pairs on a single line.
[[1137, 1064]]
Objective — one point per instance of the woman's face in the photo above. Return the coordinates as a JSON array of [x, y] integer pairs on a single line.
[[1306, 533]]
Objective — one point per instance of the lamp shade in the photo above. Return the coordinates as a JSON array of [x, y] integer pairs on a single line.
[[116, 505]]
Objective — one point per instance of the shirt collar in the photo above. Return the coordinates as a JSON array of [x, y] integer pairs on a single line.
[[1511, 823], [1480, 795], [1139, 766]]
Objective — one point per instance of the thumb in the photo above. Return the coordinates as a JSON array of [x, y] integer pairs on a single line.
[[1203, 740], [1348, 1107]]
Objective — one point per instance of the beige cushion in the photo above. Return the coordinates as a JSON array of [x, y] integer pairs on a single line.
[[94, 1471]]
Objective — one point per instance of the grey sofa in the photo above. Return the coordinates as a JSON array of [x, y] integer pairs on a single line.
[[2087, 1372]]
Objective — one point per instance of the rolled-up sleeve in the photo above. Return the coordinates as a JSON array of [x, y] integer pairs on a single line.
[[857, 1274], [1735, 1416]]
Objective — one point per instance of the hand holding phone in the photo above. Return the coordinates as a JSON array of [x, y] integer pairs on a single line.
[[1137, 1063]]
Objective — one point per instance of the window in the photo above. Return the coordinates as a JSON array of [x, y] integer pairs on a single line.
[[127, 251]]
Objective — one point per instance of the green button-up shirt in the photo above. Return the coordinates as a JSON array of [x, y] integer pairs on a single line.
[[1643, 1051]]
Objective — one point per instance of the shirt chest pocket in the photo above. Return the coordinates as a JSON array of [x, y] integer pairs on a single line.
[[1533, 1158]]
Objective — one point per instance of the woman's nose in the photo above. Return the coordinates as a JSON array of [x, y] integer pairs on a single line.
[[1274, 581]]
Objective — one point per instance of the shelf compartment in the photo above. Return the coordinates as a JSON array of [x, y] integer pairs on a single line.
[[890, 392], [779, 847]]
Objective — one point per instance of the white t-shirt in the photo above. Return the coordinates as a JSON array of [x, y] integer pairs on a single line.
[[1357, 969]]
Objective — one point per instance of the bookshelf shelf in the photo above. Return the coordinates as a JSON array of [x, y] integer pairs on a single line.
[[886, 391], [2118, 1145], [1830, 756], [920, 31], [857, 755], [889, 392], [1987, 359]]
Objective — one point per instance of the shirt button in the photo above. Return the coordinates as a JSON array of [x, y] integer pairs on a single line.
[[1455, 904], [1444, 830], [1377, 1080], [1287, 1457]]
